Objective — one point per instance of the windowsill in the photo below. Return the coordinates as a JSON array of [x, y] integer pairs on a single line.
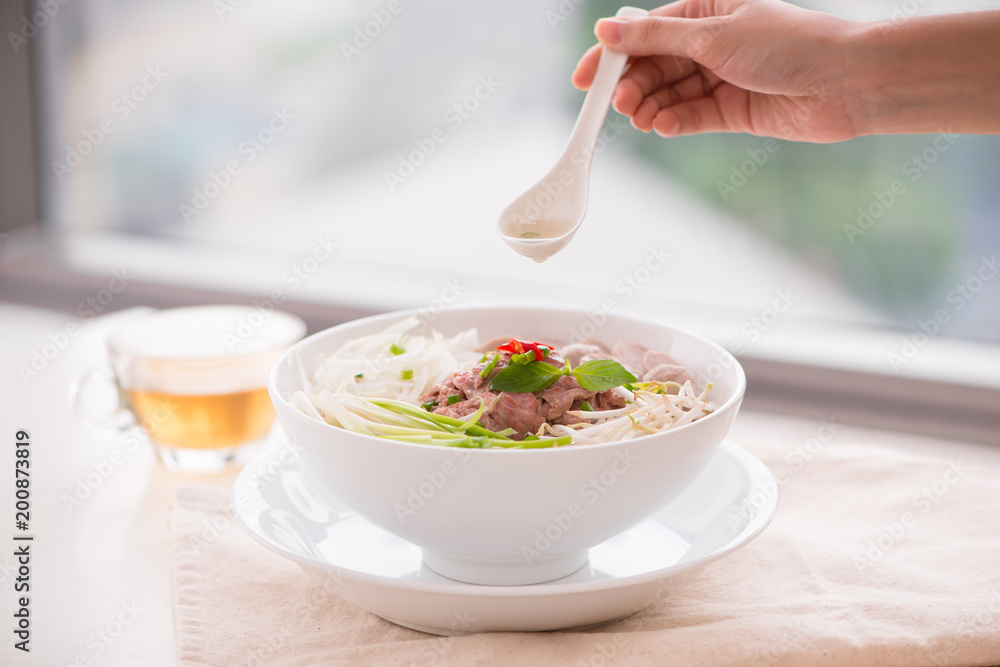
[[950, 388]]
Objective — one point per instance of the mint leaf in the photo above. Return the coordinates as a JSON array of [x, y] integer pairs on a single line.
[[525, 378], [601, 374]]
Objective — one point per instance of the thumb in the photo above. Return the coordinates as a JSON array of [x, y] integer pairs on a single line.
[[659, 36]]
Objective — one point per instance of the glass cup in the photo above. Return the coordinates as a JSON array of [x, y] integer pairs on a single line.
[[195, 379]]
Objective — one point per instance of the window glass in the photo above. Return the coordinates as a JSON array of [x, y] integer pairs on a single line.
[[402, 128]]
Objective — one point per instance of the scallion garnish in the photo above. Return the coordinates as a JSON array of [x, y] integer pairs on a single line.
[[429, 405], [490, 366], [585, 406], [453, 399], [407, 375], [396, 350]]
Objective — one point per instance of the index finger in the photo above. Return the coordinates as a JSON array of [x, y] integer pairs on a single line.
[[586, 67], [675, 9], [583, 75]]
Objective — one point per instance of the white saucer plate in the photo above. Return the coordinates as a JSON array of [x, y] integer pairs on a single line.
[[727, 506]]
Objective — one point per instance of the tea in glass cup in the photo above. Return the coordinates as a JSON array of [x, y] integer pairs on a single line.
[[196, 379]]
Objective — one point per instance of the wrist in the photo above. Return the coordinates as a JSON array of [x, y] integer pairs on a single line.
[[924, 74], [863, 48]]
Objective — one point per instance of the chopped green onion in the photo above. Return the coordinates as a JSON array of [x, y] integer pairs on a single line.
[[490, 366], [545, 351], [453, 399], [359, 375], [531, 436], [429, 405], [585, 406], [469, 425], [396, 350], [418, 426], [545, 442], [407, 375]]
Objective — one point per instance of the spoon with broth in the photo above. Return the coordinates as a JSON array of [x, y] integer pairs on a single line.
[[542, 221]]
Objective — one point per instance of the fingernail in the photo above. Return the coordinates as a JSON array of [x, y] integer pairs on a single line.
[[669, 126], [609, 31]]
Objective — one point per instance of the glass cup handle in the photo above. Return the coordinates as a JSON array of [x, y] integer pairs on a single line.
[[118, 419]]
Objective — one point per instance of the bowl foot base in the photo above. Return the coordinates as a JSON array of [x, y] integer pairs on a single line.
[[503, 571]]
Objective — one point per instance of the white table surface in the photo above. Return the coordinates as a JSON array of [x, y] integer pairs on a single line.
[[112, 549]]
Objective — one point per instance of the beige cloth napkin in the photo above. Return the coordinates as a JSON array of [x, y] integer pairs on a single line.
[[875, 557]]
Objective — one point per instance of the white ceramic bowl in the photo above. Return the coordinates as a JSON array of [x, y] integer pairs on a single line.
[[507, 517]]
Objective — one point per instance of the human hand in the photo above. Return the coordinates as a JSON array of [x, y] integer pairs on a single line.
[[757, 66]]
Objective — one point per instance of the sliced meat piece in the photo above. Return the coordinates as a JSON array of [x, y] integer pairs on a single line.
[[668, 373], [566, 419], [602, 400], [521, 412], [462, 409], [630, 355], [441, 392], [654, 358], [596, 343], [607, 400], [600, 355], [483, 382], [560, 396], [577, 351], [467, 383]]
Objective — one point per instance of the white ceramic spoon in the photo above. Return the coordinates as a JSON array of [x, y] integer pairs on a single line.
[[543, 220]]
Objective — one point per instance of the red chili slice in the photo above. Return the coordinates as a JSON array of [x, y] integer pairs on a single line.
[[516, 346]]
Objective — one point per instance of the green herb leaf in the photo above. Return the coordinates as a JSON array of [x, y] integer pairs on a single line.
[[526, 378], [396, 350], [601, 374], [407, 375], [453, 399]]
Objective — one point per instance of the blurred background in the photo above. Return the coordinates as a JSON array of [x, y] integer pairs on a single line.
[[219, 144], [363, 88]]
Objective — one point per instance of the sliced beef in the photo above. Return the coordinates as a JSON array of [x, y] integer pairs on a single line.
[[521, 412], [463, 409], [654, 358], [630, 355], [467, 383], [560, 396], [440, 392], [596, 343], [607, 400], [525, 413], [668, 373], [575, 353]]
